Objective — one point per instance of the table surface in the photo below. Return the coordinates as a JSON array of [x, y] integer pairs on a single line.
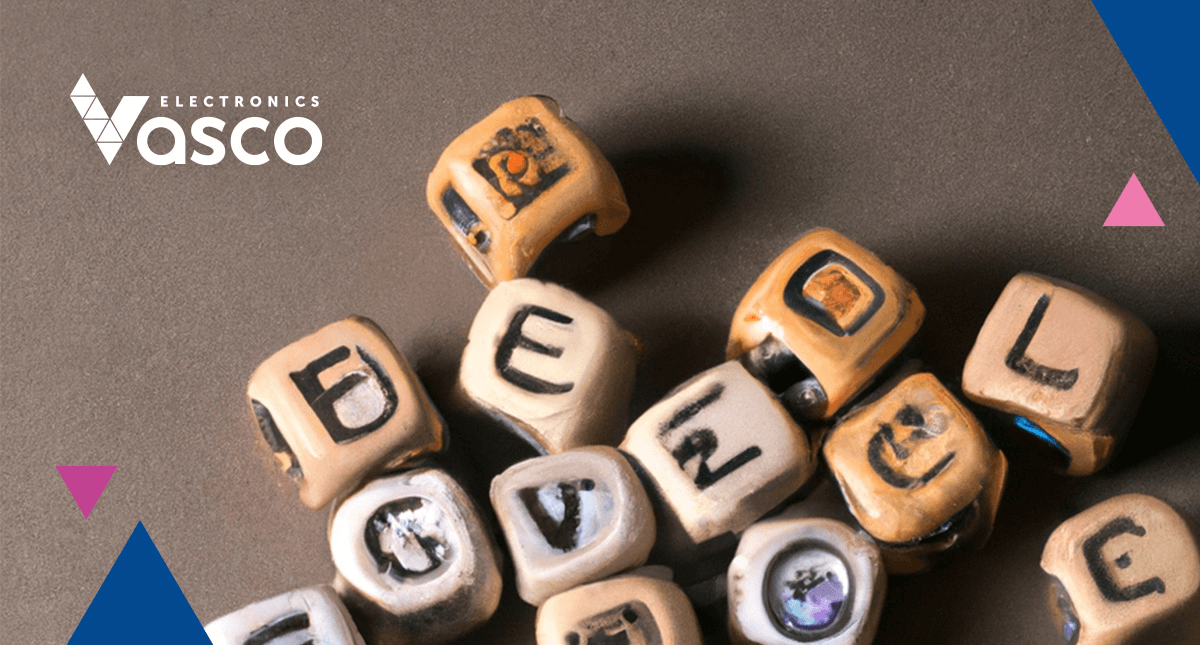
[[962, 143]]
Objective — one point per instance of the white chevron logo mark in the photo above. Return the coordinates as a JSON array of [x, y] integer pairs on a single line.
[[109, 132]]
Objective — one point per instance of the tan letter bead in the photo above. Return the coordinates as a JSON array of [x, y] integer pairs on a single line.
[[1068, 361], [516, 181], [917, 471], [312, 615], [340, 404], [809, 580], [720, 451], [414, 545], [572, 518], [1122, 567], [822, 320], [550, 365], [634, 609]]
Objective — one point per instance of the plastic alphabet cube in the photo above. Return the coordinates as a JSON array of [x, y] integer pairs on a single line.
[[632, 608], [1125, 570], [339, 405], [518, 180], [821, 322], [572, 518], [310, 615], [1069, 365], [550, 365], [917, 471], [413, 545], [719, 451], [809, 580]]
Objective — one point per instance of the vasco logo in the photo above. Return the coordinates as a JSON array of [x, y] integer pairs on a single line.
[[110, 132]]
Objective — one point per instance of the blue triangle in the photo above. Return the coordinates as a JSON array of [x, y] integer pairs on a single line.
[[1158, 40], [139, 603]]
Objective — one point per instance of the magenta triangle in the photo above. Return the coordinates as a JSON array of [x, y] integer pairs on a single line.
[[86, 484], [1133, 207]]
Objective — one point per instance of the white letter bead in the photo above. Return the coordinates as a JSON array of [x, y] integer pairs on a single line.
[[632, 608], [339, 405], [1127, 568], [572, 518], [549, 364], [810, 580], [414, 545], [310, 615], [720, 451]]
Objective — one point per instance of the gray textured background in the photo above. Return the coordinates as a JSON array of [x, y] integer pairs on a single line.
[[960, 143]]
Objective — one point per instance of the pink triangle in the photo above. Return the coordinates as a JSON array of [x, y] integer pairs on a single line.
[[86, 484], [1133, 207]]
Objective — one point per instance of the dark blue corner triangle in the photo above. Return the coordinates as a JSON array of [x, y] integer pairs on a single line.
[[1158, 38], [139, 603]]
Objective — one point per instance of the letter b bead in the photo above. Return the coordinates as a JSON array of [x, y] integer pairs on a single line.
[[339, 405], [1125, 570]]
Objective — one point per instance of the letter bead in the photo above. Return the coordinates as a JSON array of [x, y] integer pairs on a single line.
[[917, 471], [821, 322], [339, 405], [572, 518], [720, 451], [632, 608], [1070, 365], [1122, 568], [518, 180], [809, 580], [413, 545], [551, 366], [310, 615]]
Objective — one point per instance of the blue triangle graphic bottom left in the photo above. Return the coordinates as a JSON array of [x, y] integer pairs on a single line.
[[139, 603]]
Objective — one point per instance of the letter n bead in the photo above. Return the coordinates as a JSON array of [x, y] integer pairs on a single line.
[[1125, 570], [310, 615], [518, 180], [339, 405], [917, 471], [413, 545], [549, 365], [631, 608], [808, 580], [1069, 365], [821, 322], [572, 518], [720, 451]]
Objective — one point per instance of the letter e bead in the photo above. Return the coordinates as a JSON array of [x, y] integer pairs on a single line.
[[549, 365], [1127, 568]]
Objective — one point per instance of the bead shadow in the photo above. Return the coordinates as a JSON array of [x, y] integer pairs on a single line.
[[1034, 503], [671, 190], [1157, 426], [672, 357]]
